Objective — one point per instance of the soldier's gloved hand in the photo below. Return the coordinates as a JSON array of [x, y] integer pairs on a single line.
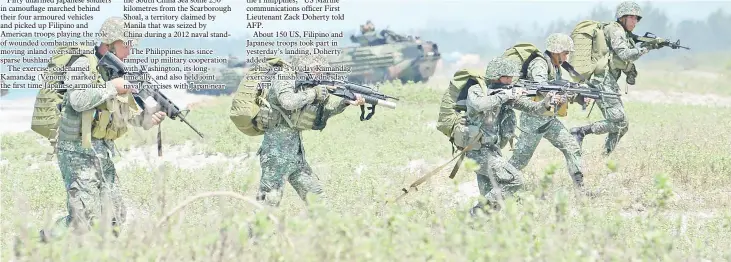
[[359, 100], [550, 99], [559, 99], [321, 92], [120, 84]]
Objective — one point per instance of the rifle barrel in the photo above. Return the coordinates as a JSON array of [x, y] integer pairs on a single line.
[[182, 119], [379, 102]]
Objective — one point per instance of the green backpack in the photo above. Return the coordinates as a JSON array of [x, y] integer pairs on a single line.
[[47, 108], [590, 47], [524, 53], [449, 114], [250, 96]]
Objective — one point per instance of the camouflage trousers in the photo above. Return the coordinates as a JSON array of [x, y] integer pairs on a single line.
[[557, 134], [91, 187], [615, 119], [282, 157], [507, 179]]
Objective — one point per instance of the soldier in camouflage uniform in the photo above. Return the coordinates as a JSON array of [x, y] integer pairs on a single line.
[[86, 144], [623, 52], [543, 70], [496, 178], [282, 155]]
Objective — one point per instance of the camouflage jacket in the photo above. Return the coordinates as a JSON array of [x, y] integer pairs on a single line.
[[622, 47]]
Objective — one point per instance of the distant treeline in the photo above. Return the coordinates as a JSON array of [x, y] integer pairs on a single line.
[[708, 34]]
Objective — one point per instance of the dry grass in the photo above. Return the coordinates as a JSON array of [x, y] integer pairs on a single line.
[[663, 194]]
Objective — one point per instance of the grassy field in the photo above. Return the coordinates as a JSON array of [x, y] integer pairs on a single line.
[[696, 73], [662, 196]]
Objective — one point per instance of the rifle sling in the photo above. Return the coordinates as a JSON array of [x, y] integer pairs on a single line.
[[159, 139], [363, 117], [426, 177], [569, 68]]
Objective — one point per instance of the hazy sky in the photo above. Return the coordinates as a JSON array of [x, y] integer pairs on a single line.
[[474, 15]]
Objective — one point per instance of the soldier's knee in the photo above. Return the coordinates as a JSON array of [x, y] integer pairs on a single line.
[[616, 115], [624, 127]]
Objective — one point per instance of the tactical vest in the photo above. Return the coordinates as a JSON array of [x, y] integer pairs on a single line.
[[309, 117], [97, 123]]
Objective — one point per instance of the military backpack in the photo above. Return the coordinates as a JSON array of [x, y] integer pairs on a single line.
[[591, 49], [251, 94], [449, 113], [524, 53], [48, 102]]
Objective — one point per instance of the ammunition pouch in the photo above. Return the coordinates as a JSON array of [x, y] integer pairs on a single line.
[[631, 74], [460, 136], [109, 120], [267, 117], [463, 135], [308, 118]]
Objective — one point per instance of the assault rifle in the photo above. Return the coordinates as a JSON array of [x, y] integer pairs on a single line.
[[534, 88], [562, 87], [141, 78], [348, 90], [650, 37]]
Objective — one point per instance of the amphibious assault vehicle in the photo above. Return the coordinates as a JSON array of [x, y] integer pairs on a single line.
[[386, 56]]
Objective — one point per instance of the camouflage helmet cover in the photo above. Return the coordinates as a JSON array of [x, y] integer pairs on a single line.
[[501, 66], [307, 62], [559, 43], [113, 30], [628, 8]]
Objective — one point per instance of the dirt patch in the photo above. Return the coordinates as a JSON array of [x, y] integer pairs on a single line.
[[683, 98], [186, 157]]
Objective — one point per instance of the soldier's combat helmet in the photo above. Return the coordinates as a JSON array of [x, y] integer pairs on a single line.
[[501, 66], [113, 29], [628, 8], [559, 43]]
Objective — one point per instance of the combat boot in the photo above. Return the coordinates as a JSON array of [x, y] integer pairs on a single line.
[[580, 132], [479, 209], [475, 210]]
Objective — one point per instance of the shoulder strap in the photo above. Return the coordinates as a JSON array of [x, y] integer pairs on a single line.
[[524, 68], [569, 68], [284, 115]]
